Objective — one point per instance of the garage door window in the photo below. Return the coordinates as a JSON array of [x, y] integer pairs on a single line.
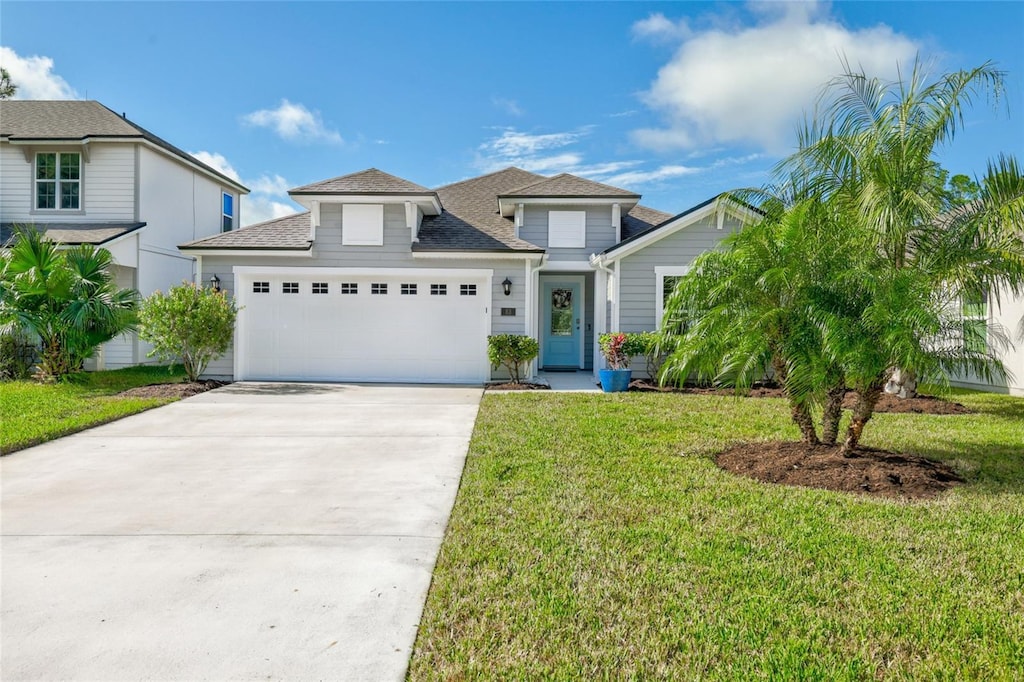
[[438, 289], [378, 288], [408, 289], [261, 287], [467, 290], [349, 288], [319, 287], [289, 287]]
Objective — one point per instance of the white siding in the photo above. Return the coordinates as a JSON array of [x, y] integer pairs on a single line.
[[120, 352], [1010, 315], [108, 185]]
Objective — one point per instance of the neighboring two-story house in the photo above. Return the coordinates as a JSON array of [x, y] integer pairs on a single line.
[[84, 174], [385, 280]]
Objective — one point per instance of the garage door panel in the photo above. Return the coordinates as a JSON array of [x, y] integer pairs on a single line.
[[365, 336]]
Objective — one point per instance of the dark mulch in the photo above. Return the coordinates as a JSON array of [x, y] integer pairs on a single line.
[[869, 471], [922, 404], [523, 386], [180, 390]]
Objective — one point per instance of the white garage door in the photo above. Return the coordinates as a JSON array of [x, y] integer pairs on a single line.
[[325, 324]]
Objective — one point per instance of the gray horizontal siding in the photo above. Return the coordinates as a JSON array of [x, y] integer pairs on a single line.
[[637, 286], [600, 232]]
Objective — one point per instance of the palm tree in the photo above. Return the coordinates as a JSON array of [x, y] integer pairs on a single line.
[[67, 298], [752, 306], [875, 157]]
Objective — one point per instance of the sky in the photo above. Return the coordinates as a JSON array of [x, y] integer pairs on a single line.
[[676, 101]]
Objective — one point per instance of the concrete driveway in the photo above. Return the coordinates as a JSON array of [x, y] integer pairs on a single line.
[[270, 531]]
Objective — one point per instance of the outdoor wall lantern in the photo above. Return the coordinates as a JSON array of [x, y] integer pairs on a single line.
[[215, 283], [507, 286]]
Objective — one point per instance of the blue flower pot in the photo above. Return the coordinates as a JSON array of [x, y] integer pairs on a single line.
[[614, 380]]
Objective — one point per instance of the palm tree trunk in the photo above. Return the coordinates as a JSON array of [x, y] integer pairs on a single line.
[[862, 410], [799, 412], [831, 415]]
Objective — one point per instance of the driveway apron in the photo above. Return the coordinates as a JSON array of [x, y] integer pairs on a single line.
[[259, 531]]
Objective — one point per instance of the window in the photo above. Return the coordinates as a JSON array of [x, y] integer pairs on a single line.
[[408, 289], [290, 288], [261, 287], [467, 290], [438, 289], [378, 288], [665, 280], [59, 181], [349, 288], [228, 210], [567, 229], [362, 224], [319, 287], [974, 311]]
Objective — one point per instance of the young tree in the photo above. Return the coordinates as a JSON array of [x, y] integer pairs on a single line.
[[7, 88], [67, 298], [873, 154], [753, 307], [190, 323], [513, 352]]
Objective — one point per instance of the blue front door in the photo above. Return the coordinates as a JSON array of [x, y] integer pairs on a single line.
[[562, 338]]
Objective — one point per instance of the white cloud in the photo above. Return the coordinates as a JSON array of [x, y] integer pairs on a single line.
[[293, 122], [735, 84], [34, 77], [639, 177], [657, 28], [269, 184], [218, 163], [259, 208], [509, 106], [268, 198]]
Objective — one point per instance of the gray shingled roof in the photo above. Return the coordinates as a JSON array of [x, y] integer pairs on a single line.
[[80, 119], [641, 219], [290, 233], [470, 220], [369, 181], [567, 185], [73, 234]]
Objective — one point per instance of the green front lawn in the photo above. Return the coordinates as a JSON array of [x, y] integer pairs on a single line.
[[32, 413], [594, 538]]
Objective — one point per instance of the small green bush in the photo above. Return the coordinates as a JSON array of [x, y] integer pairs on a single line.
[[17, 355], [189, 322], [619, 348], [513, 352]]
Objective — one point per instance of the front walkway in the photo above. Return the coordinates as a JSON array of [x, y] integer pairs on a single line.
[[259, 531], [583, 380]]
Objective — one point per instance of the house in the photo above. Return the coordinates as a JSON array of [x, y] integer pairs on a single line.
[[84, 174], [382, 279]]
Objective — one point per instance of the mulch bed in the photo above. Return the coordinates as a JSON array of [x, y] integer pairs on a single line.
[[922, 404], [869, 472], [524, 386], [179, 390]]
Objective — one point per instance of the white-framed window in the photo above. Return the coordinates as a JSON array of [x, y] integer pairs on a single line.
[[665, 279], [58, 181], [289, 287], [348, 288], [362, 224], [438, 289], [228, 212], [974, 312], [467, 290], [408, 289], [567, 229], [261, 287], [320, 288]]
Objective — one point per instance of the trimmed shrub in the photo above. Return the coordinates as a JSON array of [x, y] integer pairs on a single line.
[[513, 352], [190, 323]]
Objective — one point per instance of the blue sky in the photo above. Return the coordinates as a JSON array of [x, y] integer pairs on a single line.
[[678, 101]]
